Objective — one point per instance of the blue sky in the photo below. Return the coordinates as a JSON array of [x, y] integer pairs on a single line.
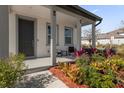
[[111, 14]]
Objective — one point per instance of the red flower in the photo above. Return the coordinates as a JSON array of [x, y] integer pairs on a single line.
[[93, 50], [107, 53]]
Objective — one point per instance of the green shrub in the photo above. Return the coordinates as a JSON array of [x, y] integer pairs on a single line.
[[11, 70], [95, 79], [97, 58], [120, 50], [118, 61], [82, 64], [99, 73], [83, 60]]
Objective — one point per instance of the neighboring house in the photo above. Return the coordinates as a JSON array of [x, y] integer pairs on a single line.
[[37, 31], [85, 41], [113, 37]]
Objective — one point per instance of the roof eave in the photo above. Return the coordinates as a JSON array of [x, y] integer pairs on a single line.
[[89, 13], [80, 11]]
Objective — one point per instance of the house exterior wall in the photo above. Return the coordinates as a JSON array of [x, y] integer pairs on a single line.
[[84, 42], [115, 41], [42, 49], [4, 31], [105, 41]]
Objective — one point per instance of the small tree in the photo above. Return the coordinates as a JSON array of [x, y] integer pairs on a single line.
[[121, 26], [87, 33]]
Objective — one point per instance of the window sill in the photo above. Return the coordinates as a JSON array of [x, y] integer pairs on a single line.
[[69, 44], [49, 44]]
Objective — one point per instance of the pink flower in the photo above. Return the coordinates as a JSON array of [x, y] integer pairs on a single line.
[[82, 50], [77, 53], [93, 50], [107, 53]]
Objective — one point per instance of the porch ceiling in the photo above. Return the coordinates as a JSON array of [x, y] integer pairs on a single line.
[[31, 10], [85, 16], [38, 11]]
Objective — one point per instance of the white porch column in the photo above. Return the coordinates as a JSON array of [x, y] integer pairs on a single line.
[[53, 37], [78, 34], [93, 35]]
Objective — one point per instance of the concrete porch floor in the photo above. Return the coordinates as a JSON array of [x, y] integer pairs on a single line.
[[44, 62]]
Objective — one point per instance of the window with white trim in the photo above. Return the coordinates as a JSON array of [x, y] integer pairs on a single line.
[[49, 34], [68, 35]]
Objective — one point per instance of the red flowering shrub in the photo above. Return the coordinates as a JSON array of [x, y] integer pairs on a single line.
[[77, 53], [94, 50]]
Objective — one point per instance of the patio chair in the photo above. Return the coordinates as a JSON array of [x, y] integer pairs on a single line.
[[71, 50], [59, 53]]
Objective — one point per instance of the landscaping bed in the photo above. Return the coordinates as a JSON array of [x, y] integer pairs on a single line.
[[59, 74], [95, 71]]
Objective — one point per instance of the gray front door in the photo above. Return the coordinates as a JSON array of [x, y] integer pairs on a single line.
[[26, 37]]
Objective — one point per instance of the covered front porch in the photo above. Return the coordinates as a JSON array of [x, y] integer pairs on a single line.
[[81, 20], [50, 28], [34, 65]]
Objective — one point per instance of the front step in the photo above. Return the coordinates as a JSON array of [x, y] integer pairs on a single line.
[[38, 69]]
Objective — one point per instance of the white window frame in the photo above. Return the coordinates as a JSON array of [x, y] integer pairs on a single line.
[[71, 29]]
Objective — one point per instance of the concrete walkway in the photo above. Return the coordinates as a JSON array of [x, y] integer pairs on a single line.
[[43, 79]]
